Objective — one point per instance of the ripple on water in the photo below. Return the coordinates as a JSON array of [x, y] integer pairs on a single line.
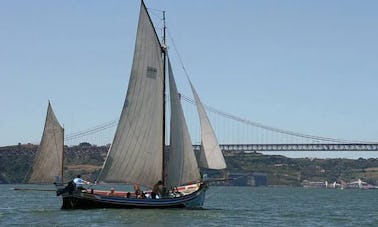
[[224, 206]]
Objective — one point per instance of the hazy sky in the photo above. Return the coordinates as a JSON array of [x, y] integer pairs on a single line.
[[306, 66]]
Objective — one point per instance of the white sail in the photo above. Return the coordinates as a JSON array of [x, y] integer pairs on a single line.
[[211, 155], [48, 161], [182, 165], [137, 149]]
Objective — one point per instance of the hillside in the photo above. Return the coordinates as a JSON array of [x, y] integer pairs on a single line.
[[87, 159]]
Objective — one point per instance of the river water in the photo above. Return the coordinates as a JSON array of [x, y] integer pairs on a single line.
[[224, 206]]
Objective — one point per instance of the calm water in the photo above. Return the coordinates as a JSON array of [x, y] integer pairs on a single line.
[[224, 206]]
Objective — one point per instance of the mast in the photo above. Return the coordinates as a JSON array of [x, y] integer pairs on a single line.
[[164, 50], [63, 157]]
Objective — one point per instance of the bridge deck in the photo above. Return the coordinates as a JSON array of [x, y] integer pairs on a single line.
[[296, 147]]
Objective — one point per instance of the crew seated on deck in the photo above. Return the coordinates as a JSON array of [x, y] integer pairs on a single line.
[[142, 195], [80, 183], [111, 193], [137, 190]]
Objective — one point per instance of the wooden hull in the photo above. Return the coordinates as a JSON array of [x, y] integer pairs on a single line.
[[86, 200]]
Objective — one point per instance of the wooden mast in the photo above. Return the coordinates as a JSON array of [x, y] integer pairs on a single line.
[[164, 50], [63, 158]]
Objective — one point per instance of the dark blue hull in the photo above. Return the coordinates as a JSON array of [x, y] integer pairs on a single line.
[[86, 200]]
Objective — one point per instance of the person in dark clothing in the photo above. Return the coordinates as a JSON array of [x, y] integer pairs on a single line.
[[157, 189]]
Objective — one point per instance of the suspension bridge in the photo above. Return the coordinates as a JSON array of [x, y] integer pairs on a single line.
[[236, 134]]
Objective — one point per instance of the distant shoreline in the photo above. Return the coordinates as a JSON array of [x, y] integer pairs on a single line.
[[249, 169]]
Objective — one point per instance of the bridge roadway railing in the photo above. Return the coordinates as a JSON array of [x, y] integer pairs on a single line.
[[296, 147]]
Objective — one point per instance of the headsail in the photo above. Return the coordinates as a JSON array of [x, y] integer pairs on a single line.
[[48, 161], [181, 164], [136, 151], [211, 155]]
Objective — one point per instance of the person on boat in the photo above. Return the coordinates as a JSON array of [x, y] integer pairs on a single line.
[[70, 188], [175, 191], [79, 182], [137, 190], [111, 193], [157, 189], [128, 195]]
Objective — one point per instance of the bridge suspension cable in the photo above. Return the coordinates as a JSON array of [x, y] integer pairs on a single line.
[[255, 124], [259, 125], [113, 123], [91, 131]]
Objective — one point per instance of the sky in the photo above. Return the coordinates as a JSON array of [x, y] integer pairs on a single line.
[[305, 66]]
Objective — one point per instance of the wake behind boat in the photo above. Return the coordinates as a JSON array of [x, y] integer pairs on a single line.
[[138, 154]]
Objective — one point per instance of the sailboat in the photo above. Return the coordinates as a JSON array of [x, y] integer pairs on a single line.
[[138, 153], [47, 167]]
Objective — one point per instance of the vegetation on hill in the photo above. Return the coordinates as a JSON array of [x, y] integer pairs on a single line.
[[87, 159], [286, 171], [84, 159]]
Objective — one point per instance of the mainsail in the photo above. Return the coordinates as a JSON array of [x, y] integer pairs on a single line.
[[210, 155], [48, 161], [136, 153], [182, 165]]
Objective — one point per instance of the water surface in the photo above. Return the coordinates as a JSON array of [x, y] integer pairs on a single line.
[[224, 206]]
